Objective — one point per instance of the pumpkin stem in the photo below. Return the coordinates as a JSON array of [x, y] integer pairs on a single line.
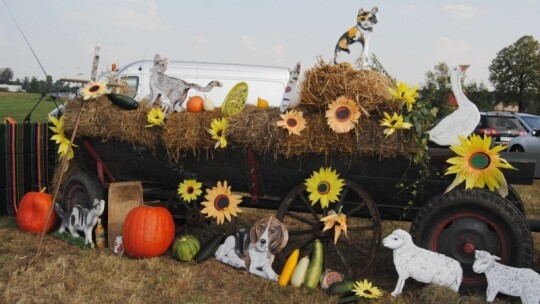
[[43, 190]]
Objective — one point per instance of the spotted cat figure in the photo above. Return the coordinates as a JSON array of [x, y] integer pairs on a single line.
[[360, 33]]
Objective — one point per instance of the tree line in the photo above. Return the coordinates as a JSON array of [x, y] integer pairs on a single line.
[[33, 84], [514, 74]]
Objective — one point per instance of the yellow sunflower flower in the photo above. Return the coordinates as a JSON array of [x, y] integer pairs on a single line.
[[293, 121], [324, 186], [393, 123], [94, 90], [366, 290], [338, 221], [218, 128], [342, 114], [155, 117], [478, 165], [405, 93], [220, 203], [60, 138], [189, 190]]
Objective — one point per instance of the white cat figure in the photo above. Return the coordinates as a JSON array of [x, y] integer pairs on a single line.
[[80, 219], [291, 96]]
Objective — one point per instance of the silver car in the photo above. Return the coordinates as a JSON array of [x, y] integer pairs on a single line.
[[529, 142]]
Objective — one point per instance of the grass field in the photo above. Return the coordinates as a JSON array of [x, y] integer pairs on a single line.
[[18, 105], [63, 273]]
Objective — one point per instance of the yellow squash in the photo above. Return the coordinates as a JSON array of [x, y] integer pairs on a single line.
[[288, 269]]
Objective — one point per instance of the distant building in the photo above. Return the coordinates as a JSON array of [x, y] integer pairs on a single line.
[[11, 87]]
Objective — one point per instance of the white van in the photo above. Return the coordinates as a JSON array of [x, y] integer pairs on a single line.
[[266, 82]]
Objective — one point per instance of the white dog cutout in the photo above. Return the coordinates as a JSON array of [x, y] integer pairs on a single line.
[[420, 264], [255, 250]]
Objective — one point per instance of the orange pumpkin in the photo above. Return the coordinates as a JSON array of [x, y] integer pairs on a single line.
[[195, 104], [33, 211], [147, 231]]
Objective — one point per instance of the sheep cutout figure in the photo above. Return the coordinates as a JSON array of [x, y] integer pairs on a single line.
[[420, 264], [518, 282]]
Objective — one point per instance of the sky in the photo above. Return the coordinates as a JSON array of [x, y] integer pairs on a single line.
[[410, 38]]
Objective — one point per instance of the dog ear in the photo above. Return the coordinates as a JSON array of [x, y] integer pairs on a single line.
[[280, 239], [253, 237]]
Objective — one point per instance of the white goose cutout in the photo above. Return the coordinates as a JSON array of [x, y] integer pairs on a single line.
[[462, 121]]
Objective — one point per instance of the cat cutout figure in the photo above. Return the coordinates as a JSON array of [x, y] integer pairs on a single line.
[[80, 219], [173, 89], [291, 96], [360, 33]]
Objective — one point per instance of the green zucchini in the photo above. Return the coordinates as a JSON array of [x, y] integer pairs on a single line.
[[349, 299], [315, 266], [123, 101], [209, 248], [341, 288]]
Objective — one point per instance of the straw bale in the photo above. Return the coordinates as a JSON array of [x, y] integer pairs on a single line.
[[101, 118], [324, 83], [187, 131]]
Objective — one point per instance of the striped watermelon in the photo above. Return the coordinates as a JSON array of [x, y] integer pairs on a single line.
[[186, 247]]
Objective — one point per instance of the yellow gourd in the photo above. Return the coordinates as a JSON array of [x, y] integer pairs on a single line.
[[262, 103], [288, 269]]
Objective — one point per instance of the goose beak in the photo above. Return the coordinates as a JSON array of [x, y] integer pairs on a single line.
[[464, 67]]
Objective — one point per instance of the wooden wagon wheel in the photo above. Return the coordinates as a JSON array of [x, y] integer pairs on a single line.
[[351, 255]]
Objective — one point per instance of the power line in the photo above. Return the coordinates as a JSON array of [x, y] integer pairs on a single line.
[[24, 36]]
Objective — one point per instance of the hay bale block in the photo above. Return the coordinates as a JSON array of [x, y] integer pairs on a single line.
[[324, 83]]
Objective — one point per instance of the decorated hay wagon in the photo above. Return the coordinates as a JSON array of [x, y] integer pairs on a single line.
[[347, 150]]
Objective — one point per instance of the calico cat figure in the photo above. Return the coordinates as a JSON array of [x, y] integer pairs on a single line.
[[80, 219], [360, 33], [291, 96]]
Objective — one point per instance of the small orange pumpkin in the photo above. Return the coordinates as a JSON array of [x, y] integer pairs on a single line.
[[147, 231], [33, 211], [195, 104]]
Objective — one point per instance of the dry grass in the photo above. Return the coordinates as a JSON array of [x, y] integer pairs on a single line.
[[67, 274]]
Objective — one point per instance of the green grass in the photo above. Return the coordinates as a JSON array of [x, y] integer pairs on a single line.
[[18, 105]]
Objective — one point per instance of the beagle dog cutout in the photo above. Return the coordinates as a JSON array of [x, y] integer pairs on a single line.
[[255, 250]]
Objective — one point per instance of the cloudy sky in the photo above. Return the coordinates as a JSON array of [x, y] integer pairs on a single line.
[[410, 38]]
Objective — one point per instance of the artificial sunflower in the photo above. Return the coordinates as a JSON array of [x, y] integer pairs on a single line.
[[338, 221], [324, 186], [155, 117], [405, 93], [221, 203], [478, 165], [342, 114], [60, 137], [393, 123], [189, 190], [367, 290], [94, 90], [293, 121], [218, 128]]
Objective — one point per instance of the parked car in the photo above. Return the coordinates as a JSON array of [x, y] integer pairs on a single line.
[[501, 126], [528, 121]]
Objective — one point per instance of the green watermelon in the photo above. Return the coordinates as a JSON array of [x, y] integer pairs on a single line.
[[186, 247]]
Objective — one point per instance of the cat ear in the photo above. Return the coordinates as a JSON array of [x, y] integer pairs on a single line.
[[156, 57], [374, 10], [360, 11]]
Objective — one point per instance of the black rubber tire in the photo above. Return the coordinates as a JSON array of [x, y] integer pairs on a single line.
[[81, 188], [459, 222], [352, 255]]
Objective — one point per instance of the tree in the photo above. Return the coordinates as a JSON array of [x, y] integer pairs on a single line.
[[515, 72], [480, 95], [6, 75], [437, 87]]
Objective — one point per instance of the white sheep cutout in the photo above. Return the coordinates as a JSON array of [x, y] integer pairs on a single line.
[[518, 282], [420, 264]]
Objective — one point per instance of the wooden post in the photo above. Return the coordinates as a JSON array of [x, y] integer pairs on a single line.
[[96, 63]]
